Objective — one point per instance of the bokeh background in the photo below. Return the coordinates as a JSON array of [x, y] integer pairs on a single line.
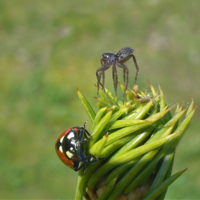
[[49, 48]]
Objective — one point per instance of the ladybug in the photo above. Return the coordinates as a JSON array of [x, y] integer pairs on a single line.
[[70, 149]]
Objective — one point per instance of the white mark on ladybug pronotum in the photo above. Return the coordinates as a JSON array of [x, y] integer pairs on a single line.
[[70, 135]]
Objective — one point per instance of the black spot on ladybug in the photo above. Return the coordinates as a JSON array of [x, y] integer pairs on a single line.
[[58, 144]]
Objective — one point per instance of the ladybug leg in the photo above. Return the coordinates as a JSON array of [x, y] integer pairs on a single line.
[[84, 140], [77, 168], [89, 157], [82, 166], [82, 156], [76, 164], [86, 133], [85, 159], [94, 158], [83, 131], [84, 125]]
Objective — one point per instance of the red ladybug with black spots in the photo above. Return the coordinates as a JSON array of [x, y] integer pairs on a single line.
[[70, 148]]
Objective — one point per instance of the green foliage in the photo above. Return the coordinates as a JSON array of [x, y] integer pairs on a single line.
[[135, 162]]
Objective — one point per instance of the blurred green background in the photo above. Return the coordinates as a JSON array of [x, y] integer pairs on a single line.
[[49, 48]]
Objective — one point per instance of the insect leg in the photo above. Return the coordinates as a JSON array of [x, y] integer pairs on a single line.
[[94, 159], [76, 164], [83, 131]]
